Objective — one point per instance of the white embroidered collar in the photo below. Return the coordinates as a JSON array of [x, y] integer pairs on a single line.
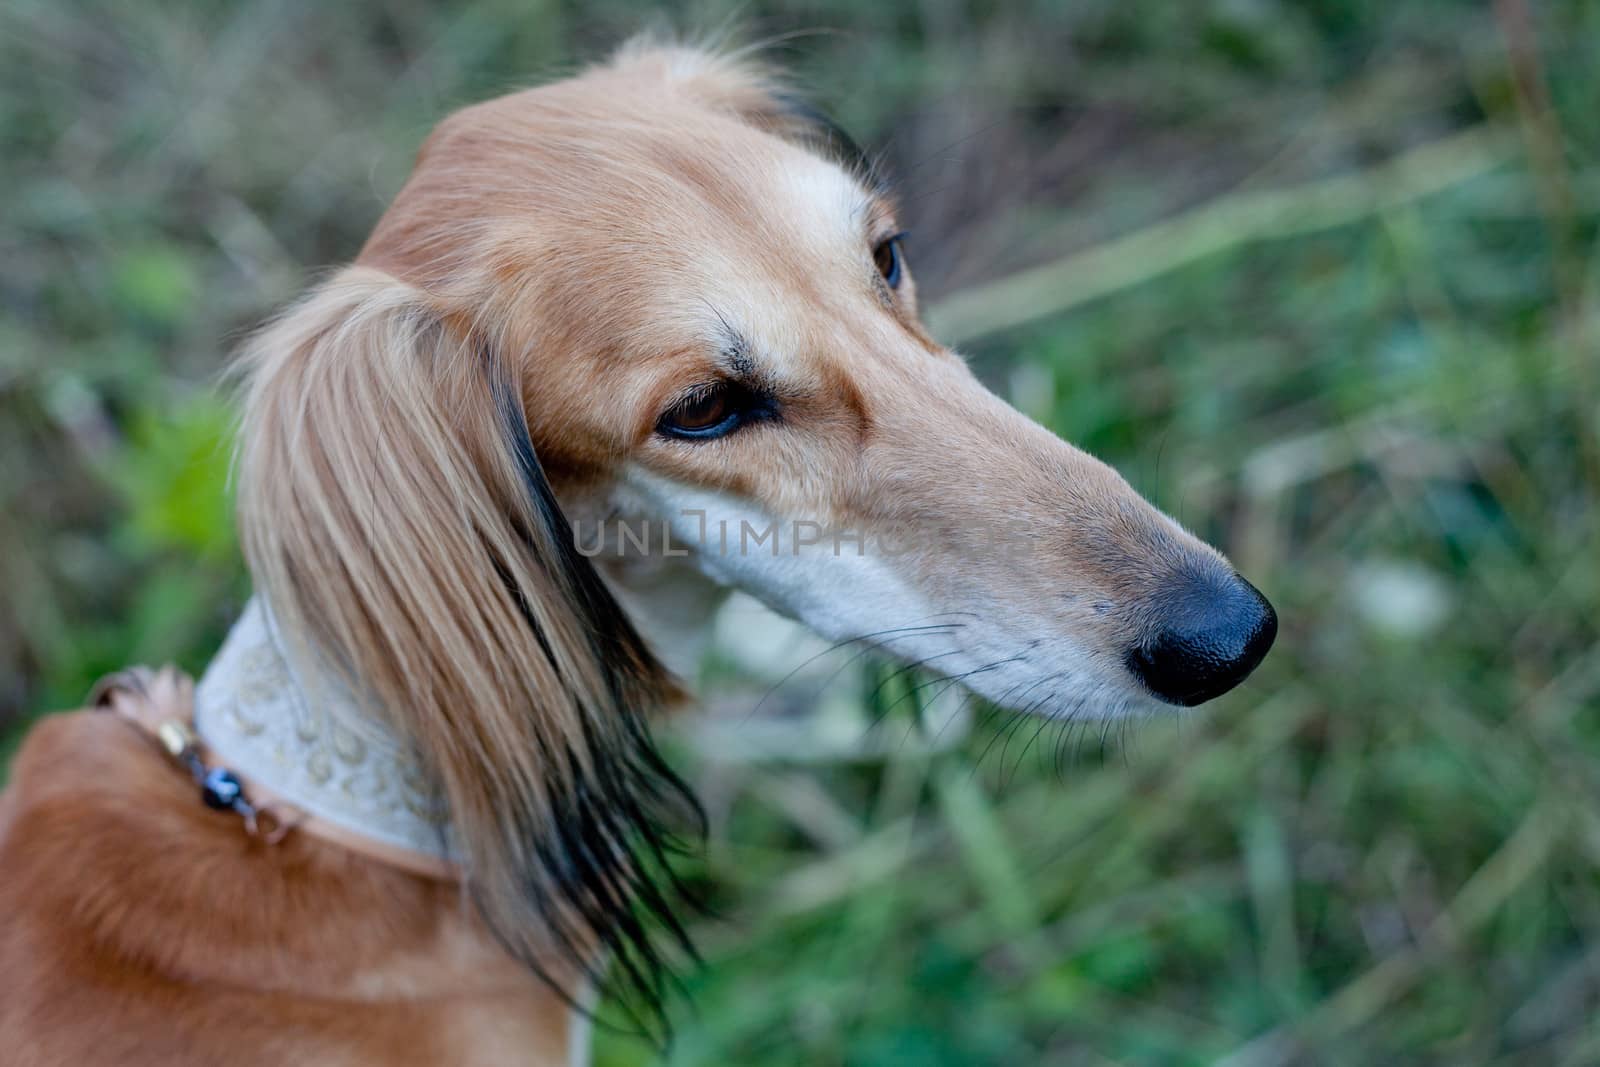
[[303, 736]]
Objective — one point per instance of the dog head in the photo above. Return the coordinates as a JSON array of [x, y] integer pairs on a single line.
[[666, 291]]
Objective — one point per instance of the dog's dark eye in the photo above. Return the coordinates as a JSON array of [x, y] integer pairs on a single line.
[[887, 257], [712, 411]]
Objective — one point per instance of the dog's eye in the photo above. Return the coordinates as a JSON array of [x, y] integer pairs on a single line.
[[887, 256], [708, 412]]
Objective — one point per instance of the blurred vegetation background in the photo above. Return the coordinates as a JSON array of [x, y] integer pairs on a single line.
[[1320, 277]]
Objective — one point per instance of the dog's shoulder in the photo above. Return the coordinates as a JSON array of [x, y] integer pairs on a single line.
[[142, 927], [69, 817], [79, 779]]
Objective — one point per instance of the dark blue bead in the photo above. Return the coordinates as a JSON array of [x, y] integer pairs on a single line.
[[220, 789]]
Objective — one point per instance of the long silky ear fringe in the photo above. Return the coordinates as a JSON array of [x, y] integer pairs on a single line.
[[395, 517], [629, 796]]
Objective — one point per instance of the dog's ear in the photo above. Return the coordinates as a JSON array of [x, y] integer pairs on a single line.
[[393, 511]]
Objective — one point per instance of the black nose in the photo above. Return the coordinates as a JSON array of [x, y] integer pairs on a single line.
[[1211, 632]]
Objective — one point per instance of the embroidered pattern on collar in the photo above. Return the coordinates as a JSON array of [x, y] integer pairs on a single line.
[[304, 736]]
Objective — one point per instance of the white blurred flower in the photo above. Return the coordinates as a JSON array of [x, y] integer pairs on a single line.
[[1401, 598]]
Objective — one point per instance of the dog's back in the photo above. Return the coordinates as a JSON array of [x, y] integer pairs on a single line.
[[140, 927]]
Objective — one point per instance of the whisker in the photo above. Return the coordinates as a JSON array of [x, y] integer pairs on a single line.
[[948, 680], [998, 707], [896, 633], [1025, 713]]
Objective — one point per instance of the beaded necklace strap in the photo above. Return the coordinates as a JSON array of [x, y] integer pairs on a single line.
[[141, 697]]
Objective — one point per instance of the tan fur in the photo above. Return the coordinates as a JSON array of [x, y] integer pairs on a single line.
[[141, 928], [385, 520], [583, 245], [599, 281]]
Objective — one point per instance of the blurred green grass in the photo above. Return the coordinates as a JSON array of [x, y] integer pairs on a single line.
[[1383, 849]]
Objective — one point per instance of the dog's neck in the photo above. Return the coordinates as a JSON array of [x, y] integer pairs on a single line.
[[300, 734], [296, 731]]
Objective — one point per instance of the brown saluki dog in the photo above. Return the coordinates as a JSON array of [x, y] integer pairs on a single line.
[[663, 293]]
